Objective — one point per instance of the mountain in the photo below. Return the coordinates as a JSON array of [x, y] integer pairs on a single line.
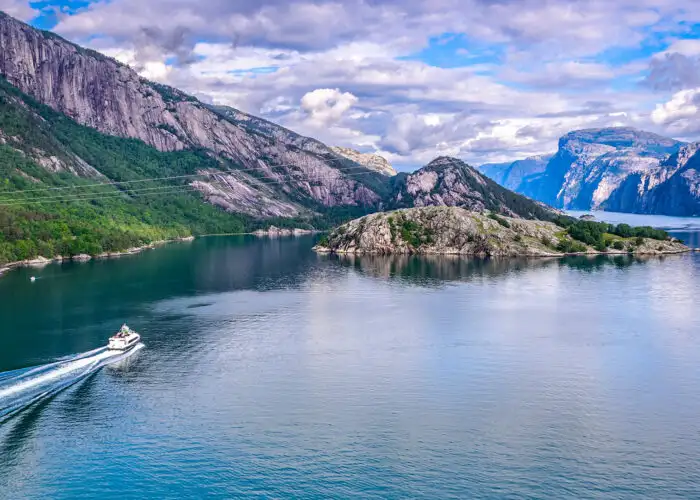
[[263, 170], [674, 190], [494, 171], [369, 160], [450, 182], [518, 174], [609, 168]]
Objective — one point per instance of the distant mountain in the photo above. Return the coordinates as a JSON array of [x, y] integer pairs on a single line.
[[518, 174], [622, 169], [673, 190], [495, 171], [451, 182]]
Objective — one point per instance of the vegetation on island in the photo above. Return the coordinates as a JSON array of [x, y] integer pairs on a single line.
[[601, 235]]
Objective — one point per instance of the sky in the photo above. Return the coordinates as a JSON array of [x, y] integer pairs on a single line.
[[482, 80]]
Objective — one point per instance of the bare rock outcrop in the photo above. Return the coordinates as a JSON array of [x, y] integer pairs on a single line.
[[456, 231]]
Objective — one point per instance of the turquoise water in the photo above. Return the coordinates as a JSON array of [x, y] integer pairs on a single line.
[[271, 372]]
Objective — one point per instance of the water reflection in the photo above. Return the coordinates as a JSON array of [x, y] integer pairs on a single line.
[[434, 270]]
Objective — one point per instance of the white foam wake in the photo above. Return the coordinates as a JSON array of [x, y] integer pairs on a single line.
[[21, 388]]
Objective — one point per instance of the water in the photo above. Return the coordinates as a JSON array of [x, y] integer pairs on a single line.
[[271, 372]]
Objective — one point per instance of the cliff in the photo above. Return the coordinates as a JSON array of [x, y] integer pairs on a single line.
[[101, 93]]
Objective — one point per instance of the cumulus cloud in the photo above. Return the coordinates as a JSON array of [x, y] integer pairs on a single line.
[[19, 9], [327, 106], [681, 113]]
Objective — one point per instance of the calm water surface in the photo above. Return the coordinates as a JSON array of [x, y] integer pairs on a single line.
[[271, 372]]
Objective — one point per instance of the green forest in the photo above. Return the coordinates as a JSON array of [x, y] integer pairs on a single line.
[[47, 214]]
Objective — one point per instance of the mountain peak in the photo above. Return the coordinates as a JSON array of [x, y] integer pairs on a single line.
[[369, 160], [620, 137], [448, 181]]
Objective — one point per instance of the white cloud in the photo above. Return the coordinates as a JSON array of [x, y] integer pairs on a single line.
[[19, 9], [680, 114], [326, 106]]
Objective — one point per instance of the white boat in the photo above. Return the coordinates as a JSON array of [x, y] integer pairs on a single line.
[[123, 340]]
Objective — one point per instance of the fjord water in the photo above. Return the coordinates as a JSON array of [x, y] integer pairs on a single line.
[[272, 372]]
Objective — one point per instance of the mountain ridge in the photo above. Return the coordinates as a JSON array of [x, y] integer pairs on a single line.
[[613, 168]]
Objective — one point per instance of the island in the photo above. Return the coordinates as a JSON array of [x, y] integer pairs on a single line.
[[457, 231]]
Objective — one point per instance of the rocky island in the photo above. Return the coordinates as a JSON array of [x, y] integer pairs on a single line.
[[457, 231]]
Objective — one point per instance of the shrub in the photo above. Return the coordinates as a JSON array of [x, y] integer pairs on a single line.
[[499, 219], [618, 245], [570, 246]]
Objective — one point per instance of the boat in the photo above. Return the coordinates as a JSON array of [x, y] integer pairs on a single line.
[[123, 340]]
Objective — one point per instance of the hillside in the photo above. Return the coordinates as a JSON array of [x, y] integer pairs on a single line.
[[299, 174], [53, 201]]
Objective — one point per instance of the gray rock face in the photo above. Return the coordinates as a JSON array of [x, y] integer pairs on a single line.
[[452, 230], [675, 191], [451, 182], [373, 162], [101, 93], [602, 169]]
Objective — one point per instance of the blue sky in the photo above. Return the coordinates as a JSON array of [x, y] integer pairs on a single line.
[[481, 79]]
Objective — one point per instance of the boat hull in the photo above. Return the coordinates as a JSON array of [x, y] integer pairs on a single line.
[[116, 345]]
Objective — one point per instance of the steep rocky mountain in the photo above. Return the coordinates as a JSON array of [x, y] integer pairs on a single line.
[[615, 168], [369, 160], [264, 170], [591, 164], [450, 182], [674, 190], [518, 174]]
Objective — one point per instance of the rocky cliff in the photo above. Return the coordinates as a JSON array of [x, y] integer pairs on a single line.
[[101, 93], [369, 160], [450, 182], [675, 190], [452, 230], [590, 165], [620, 169]]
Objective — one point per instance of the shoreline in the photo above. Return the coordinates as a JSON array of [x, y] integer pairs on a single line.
[[612, 253], [40, 262]]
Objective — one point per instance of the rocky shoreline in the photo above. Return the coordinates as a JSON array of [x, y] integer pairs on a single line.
[[274, 231], [40, 262], [456, 231]]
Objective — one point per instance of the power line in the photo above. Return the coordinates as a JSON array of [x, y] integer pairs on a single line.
[[176, 177], [128, 190], [162, 189]]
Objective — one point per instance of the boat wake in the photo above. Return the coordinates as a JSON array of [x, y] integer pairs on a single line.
[[22, 388]]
